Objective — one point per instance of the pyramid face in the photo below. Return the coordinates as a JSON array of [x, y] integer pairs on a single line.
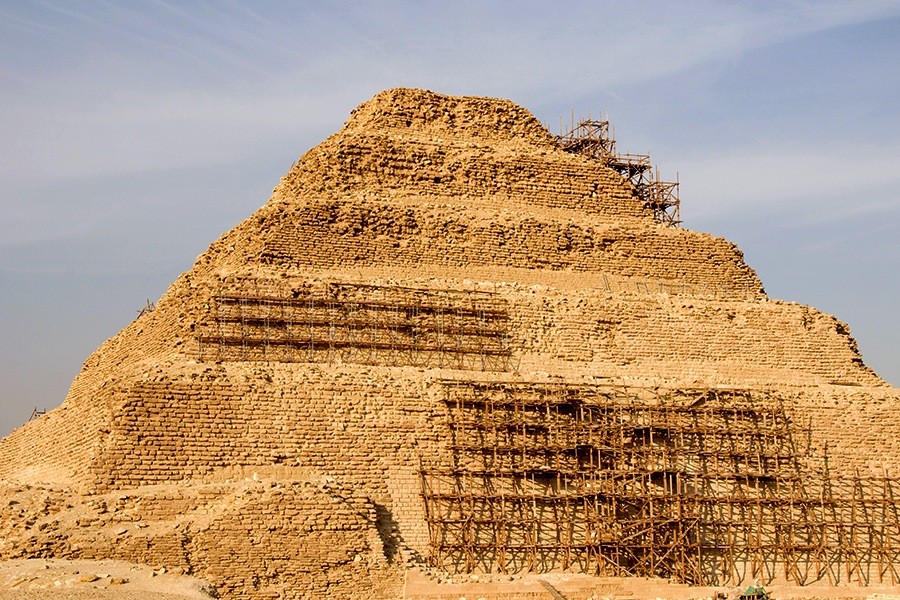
[[439, 307]]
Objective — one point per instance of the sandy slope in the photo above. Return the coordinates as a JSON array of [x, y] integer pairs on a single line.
[[34, 579]]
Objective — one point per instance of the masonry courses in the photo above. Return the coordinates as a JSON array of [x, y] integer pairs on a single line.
[[451, 340]]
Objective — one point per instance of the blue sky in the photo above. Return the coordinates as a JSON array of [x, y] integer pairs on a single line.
[[133, 134]]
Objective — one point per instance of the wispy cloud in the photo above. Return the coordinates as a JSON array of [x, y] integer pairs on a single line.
[[826, 183], [98, 121], [95, 121]]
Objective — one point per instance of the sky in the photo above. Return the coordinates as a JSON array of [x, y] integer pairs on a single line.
[[132, 134]]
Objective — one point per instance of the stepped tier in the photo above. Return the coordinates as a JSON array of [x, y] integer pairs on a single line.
[[300, 385]]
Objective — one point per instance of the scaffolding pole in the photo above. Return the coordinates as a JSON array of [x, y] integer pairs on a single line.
[[592, 138], [365, 324], [703, 486]]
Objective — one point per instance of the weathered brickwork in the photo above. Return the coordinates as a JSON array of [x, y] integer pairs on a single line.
[[373, 234], [252, 538], [267, 425]]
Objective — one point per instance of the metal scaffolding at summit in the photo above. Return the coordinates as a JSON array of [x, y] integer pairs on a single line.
[[593, 138]]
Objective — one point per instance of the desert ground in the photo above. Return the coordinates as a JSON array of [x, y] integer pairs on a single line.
[[37, 579]]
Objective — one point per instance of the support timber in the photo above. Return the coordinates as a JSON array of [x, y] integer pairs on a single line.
[[592, 138], [703, 486], [365, 324]]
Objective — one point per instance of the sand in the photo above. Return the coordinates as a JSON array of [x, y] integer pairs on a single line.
[[28, 579]]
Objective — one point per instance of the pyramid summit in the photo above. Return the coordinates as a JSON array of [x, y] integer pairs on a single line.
[[451, 341]]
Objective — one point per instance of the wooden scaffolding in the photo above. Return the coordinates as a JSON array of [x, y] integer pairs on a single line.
[[702, 486], [356, 323], [592, 138]]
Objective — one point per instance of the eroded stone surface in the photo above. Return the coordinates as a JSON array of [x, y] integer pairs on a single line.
[[285, 464]]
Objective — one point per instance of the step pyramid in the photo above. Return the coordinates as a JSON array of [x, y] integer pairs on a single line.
[[441, 330]]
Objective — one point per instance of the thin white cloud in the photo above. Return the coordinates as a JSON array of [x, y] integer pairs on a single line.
[[828, 183], [135, 133], [95, 122], [598, 46], [577, 52]]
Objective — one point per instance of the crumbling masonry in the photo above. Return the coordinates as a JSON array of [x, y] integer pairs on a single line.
[[451, 338]]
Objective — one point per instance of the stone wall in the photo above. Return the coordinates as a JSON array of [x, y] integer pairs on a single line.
[[329, 234], [405, 167], [423, 206], [251, 538], [586, 332]]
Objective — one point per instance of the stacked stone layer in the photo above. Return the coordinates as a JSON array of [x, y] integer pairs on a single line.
[[419, 196]]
